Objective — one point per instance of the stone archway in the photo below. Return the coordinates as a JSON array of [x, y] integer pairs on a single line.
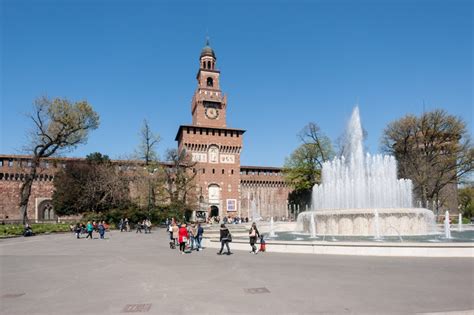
[[214, 211]]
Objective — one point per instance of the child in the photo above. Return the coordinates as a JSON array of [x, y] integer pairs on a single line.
[[262, 243]]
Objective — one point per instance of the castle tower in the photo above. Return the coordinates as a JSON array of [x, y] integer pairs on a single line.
[[212, 145], [208, 106]]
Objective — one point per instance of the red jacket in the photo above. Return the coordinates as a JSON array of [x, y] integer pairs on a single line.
[[183, 232]]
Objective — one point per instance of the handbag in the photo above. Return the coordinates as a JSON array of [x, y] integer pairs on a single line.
[[229, 237]]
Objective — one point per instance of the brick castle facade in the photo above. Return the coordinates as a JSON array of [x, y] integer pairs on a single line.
[[224, 187]]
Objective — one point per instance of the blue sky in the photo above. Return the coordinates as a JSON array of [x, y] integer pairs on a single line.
[[283, 64]]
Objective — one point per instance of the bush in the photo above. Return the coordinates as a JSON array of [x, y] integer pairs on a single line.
[[38, 228], [133, 213]]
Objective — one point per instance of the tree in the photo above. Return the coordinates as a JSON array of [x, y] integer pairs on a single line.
[[466, 201], [59, 125], [95, 184], [146, 152], [179, 177], [302, 170], [148, 142], [433, 150]]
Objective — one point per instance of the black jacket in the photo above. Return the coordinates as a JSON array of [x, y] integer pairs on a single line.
[[224, 234]]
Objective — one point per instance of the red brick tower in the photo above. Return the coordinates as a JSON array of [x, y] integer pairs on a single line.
[[214, 147]]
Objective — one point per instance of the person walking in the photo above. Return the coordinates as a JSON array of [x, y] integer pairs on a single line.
[[127, 225], [147, 226], [199, 233], [175, 232], [139, 227], [90, 229], [121, 225], [78, 230], [253, 235], [102, 230], [183, 237], [192, 236], [225, 238]]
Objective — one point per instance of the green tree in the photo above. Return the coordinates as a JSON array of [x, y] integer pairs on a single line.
[[302, 170], [466, 201], [58, 125], [433, 150]]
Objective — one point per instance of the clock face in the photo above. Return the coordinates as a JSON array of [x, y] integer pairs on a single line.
[[211, 112]]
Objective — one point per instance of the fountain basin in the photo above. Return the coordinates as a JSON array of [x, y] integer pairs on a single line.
[[363, 222]]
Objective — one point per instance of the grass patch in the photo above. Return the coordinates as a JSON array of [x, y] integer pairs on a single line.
[[38, 228]]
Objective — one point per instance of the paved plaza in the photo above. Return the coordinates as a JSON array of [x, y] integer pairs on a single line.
[[129, 272]]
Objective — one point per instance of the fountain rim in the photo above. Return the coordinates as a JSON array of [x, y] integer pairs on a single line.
[[371, 211]]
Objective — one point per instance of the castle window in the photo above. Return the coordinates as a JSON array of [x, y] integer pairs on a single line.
[[232, 172], [10, 163], [209, 65], [1, 163], [213, 171], [204, 171], [223, 171], [210, 82]]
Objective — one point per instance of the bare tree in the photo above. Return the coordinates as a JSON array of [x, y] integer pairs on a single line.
[[148, 142], [433, 150], [59, 125], [146, 151], [179, 175]]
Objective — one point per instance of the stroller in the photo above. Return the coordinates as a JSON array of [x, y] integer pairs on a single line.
[[172, 244]]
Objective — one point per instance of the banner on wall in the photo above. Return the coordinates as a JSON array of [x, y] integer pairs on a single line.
[[231, 205]]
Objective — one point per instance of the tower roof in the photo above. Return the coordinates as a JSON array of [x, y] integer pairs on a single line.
[[207, 50]]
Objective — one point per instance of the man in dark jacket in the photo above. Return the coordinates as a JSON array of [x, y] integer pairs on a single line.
[[200, 232], [225, 239]]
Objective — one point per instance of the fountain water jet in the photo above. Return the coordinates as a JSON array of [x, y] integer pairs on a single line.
[[313, 227], [377, 236], [460, 223], [356, 184], [272, 229], [447, 230]]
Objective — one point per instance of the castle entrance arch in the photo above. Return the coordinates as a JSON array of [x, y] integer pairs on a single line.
[[214, 199], [214, 211]]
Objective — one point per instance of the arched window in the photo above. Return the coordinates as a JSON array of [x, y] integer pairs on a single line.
[[204, 65], [210, 82], [209, 65]]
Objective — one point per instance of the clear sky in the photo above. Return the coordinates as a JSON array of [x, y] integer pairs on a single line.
[[283, 64]]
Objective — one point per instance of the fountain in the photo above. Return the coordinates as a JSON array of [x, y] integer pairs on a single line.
[[460, 222], [272, 229], [361, 195], [313, 227], [255, 214], [377, 236], [447, 230]]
